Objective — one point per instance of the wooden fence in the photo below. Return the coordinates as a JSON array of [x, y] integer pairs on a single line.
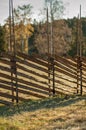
[[23, 77]]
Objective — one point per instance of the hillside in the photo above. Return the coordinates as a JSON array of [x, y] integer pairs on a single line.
[[48, 114]]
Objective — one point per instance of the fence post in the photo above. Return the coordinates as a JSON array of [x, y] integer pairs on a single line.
[[49, 69], [16, 82], [12, 72], [14, 79], [51, 75], [79, 75]]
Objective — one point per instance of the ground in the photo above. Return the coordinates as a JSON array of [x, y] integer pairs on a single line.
[[47, 114]]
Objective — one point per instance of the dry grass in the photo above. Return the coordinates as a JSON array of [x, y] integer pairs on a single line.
[[48, 114]]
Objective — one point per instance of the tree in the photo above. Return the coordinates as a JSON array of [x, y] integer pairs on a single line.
[[56, 8], [32, 42], [23, 13], [23, 27], [62, 37], [22, 33], [2, 39], [73, 24]]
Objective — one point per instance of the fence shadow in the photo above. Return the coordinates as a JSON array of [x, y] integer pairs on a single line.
[[33, 105]]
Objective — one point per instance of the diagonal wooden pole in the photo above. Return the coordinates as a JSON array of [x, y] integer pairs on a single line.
[[80, 53]]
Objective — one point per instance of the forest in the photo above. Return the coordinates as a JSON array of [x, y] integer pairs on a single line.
[[33, 37]]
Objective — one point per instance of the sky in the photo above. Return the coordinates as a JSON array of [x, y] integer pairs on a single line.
[[72, 7]]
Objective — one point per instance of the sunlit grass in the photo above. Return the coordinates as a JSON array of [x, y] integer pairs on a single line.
[[48, 114]]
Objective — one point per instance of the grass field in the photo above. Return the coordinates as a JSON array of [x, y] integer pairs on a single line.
[[49, 114]]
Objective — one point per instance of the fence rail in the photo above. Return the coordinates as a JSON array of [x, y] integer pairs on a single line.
[[23, 77]]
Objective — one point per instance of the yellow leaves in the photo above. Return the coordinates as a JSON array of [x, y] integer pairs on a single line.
[[23, 31], [28, 30]]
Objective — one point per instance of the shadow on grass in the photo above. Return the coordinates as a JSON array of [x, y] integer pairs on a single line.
[[33, 105]]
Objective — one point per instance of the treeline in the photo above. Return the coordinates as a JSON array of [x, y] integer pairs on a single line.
[[64, 37], [74, 24]]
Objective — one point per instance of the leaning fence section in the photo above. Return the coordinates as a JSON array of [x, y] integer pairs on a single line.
[[6, 79], [66, 75], [24, 77], [84, 76], [32, 76]]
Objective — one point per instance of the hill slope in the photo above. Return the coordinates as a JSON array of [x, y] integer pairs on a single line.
[[49, 114]]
